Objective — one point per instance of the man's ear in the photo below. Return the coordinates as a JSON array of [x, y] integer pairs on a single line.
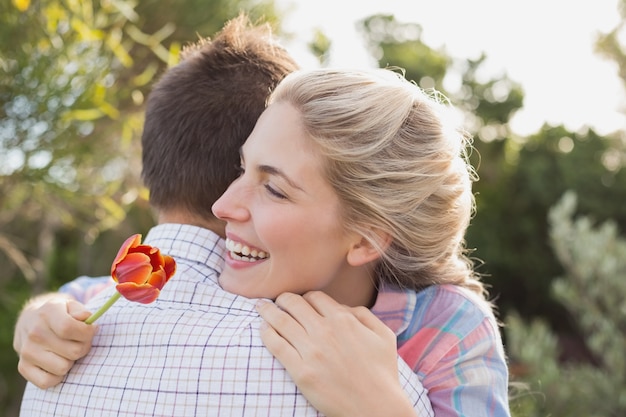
[[366, 250]]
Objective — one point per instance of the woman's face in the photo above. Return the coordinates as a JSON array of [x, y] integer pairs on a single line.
[[284, 232]]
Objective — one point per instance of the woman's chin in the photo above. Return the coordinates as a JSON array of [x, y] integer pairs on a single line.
[[232, 286]]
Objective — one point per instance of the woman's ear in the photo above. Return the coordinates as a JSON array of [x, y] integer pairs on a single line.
[[367, 250]]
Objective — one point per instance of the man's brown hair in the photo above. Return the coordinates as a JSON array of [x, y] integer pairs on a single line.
[[202, 110]]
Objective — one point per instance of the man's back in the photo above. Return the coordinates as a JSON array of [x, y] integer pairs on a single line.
[[195, 351]]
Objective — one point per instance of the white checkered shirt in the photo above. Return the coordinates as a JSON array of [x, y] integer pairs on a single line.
[[195, 351]]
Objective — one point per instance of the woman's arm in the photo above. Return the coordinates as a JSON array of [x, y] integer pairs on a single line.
[[451, 340]]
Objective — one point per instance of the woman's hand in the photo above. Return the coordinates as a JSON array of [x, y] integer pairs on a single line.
[[343, 359]]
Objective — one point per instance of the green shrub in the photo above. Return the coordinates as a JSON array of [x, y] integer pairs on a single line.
[[593, 289]]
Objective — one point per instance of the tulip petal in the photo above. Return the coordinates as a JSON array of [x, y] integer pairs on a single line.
[[157, 279], [169, 266], [144, 293], [156, 259], [135, 267], [128, 244]]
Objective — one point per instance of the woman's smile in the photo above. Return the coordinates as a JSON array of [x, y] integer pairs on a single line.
[[242, 252]]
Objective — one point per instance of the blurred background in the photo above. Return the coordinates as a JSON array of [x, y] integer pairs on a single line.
[[542, 86]]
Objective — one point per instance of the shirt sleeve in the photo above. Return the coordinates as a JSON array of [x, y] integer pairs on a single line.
[[454, 345], [414, 388], [85, 288]]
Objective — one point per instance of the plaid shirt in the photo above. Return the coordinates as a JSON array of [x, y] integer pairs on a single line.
[[195, 351], [450, 337]]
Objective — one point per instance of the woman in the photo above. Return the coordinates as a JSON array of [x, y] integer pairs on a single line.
[[357, 185]]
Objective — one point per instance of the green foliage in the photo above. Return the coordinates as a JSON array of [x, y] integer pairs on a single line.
[[593, 289], [320, 46], [610, 44], [396, 44], [12, 297], [64, 139], [193, 18], [494, 101], [513, 202]]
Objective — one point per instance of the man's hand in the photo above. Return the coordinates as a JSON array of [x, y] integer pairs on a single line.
[[50, 336]]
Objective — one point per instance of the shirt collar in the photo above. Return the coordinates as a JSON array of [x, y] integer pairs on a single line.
[[190, 243], [395, 306]]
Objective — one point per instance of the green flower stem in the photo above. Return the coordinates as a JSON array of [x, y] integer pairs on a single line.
[[104, 308]]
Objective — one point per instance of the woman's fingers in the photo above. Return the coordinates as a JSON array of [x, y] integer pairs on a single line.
[[324, 304], [298, 307], [369, 320], [296, 328], [281, 324], [315, 314], [280, 347], [327, 307]]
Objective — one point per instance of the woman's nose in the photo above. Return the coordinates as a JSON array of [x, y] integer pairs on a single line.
[[231, 205]]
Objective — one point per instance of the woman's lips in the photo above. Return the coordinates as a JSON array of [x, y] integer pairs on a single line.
[[242, 252]]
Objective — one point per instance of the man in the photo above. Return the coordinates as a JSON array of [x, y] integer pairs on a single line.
[[196, 350]]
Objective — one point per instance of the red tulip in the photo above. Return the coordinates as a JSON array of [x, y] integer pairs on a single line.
[[140, 271]]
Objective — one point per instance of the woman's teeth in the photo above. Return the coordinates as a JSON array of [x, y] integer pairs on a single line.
[[244, 253]]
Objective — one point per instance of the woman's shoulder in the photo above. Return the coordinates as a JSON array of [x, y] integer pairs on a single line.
[[448, 308], [454, 309], [452, 297]]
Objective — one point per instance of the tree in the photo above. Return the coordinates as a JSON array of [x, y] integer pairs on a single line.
[[510, 230], [593, 289], [397, 44]]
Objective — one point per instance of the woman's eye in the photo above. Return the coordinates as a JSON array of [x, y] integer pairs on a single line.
[[240, 170], [274, 192]]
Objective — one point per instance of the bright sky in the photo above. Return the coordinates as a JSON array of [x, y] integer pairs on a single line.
[[545, 45]]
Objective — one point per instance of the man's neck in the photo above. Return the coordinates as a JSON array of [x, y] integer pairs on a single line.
[[184, 217]]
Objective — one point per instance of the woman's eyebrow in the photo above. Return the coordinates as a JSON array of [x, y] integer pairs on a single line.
[[271, 170]]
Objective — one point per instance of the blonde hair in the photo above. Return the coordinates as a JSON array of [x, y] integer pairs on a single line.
[[398, 163]]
